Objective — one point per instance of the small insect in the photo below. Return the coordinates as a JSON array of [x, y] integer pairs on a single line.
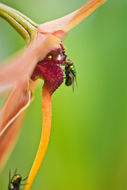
[[15, 181], [70, 73]]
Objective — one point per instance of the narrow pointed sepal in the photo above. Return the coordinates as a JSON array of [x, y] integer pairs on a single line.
[[62, 25], [11, 116]]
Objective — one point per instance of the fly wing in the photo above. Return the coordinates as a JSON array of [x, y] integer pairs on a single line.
[[9, 175], [15, 172], [75, 79], [71, 75], [73, 85]]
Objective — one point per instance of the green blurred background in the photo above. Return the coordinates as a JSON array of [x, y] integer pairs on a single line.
[[88, 143]]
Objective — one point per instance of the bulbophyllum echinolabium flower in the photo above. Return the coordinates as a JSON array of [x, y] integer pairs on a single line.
[[42, 58]]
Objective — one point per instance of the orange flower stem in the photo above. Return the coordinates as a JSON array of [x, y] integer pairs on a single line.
[[46, 107]]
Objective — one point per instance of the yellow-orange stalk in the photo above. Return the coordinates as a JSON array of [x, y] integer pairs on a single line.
[[46, 107]]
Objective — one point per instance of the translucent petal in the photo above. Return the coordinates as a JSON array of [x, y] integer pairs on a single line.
[[11, 117], [8, 140], [18, 100], [71, 20]]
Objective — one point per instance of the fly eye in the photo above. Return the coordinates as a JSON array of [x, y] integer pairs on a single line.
[[50, 56]]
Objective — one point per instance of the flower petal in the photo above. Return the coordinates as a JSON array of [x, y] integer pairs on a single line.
[[83, 13], [46, 107], [71, 20], [8, 139], [18, 100], [10, 123], [21, 67]]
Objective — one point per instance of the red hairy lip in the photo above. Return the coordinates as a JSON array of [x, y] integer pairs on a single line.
[[50, 68]]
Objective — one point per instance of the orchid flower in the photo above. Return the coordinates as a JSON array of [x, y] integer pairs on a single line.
[[41, 59]]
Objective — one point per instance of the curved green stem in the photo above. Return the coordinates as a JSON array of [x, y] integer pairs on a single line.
[[26, 27]]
